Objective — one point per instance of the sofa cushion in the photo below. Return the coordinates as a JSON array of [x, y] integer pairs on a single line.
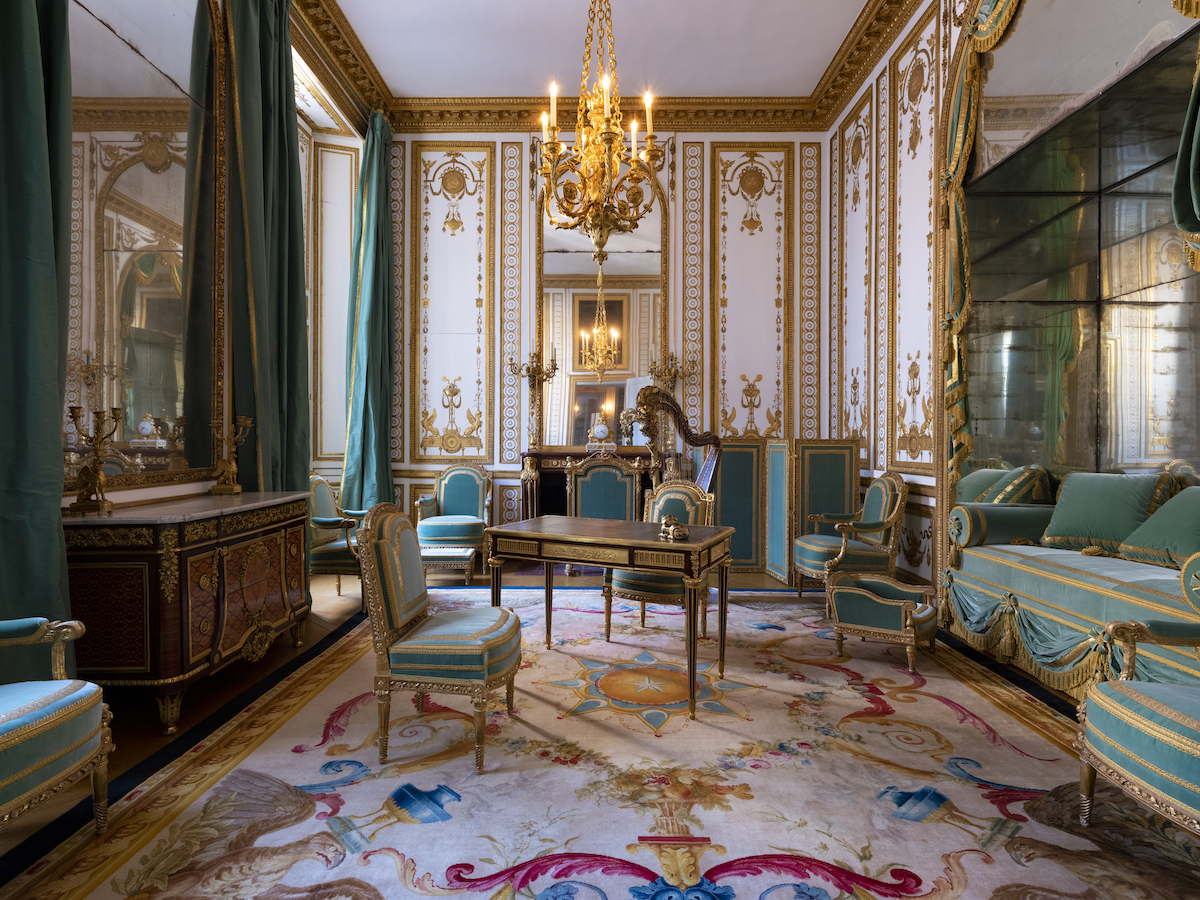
[[1098, 509], [971, 488], [1169, 536], [1028, 484]]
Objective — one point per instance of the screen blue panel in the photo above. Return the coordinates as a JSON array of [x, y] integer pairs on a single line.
[[739, 487], [779, 550]]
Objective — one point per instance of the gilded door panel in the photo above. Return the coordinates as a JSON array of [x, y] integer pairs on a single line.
[[201, 600], [254, 590]]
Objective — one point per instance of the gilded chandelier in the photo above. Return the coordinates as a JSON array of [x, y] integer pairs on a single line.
[[596, 186]]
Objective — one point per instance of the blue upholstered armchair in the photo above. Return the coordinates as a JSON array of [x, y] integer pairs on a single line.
[[468, 651], [1144, 736], [867, 540], [688, 503], [883, 609], [459, 509], [603, 486], [52, 733], [332, 532]]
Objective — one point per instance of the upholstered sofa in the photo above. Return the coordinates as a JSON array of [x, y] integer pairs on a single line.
[[1035, 583]]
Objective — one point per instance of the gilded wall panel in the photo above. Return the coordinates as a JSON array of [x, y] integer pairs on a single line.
[[75, 347], [883, 267], [453, 348], [914, 74], [511, 158], [510, 504], [557, 326], [837, 393], [693, 276], [752, 300], [396, 192], [809, 354], [855, 302], [334, 183]]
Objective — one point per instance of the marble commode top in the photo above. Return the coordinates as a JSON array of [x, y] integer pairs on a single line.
[[187, 509]]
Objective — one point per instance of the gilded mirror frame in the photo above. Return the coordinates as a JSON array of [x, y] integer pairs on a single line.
[[202, 473], [660, 195]]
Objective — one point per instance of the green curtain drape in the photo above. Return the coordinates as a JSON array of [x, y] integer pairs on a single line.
[[984, 32], [367, 470], [198, 243], [35, 259], [267, 301]]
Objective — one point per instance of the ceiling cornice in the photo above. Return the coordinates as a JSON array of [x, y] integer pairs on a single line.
[[873, 32], [118, 113]]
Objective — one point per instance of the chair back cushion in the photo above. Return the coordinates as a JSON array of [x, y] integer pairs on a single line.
[[683, 500], [461, 491], [392, 568], [879, 503], [322, 506], [605, 491]]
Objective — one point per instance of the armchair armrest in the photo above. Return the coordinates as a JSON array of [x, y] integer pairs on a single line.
[[857, 527], [333, 522], [425, 506], [833, 517], [358, 514], [1166, 633], [36, 630]]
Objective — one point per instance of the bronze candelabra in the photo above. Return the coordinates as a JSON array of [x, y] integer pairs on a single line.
[[536, 375], [670, 370], [90, 480], [227, 466]]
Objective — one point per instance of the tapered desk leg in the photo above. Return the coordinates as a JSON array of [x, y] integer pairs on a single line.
[[691, 601], [496, 564], [722, 615], [549, 599]]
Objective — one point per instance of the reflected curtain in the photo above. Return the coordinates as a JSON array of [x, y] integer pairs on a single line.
[[984, 32], [267, 300], [367, 470], [1185, 190], [35, 259], [198, 243]]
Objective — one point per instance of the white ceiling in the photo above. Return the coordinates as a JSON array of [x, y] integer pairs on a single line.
[[674, 48]]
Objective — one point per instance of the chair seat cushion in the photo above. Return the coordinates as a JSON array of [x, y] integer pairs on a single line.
[[647, 585], [450, 530], [47, 728], [812, 550], [1150, 731], [465, 645], [333, 558]]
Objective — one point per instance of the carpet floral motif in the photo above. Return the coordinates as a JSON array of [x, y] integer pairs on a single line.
[[805, 775]]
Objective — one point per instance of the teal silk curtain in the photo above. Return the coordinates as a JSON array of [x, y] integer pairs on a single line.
[[267, 301], [985, 30], [198, 247], [367, 470], [35, 260], [1185, 191]]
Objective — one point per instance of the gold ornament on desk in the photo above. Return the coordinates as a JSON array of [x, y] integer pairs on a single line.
[[90, 480], [227, 466], [596, 185]]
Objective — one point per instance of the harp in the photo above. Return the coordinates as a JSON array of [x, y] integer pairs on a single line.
[[655, 410]]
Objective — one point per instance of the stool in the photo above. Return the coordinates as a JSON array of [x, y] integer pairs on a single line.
[[449, 558], [875, 606]]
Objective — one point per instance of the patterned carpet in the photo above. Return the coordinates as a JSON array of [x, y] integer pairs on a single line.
[[804, 775]]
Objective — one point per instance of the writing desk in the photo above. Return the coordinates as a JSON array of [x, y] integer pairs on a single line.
[[619, 544]]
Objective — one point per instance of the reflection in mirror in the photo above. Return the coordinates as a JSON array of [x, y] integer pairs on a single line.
[[1055, 58], [1085, 315], [575, 400], [142, 236]]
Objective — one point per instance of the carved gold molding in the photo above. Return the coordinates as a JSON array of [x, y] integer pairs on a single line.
[[124, 205], [875, 29], [127, 113]]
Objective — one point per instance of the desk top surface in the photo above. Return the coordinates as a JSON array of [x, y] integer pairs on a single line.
[[187, 509], [582, 530]]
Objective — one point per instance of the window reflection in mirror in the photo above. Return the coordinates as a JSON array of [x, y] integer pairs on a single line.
[[140, 110]]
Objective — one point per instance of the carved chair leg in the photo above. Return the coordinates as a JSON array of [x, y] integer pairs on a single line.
[[607, 592], [508, 692], [339, 584], [837, 640], [911, 650], [420, 701], [480, 729], [100, 795], [1087, 787], [383, 703], [643, 613], [799, 585]]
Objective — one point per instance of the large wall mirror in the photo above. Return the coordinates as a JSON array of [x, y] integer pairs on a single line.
[[145, 329], [635, 291], [1082, 336]]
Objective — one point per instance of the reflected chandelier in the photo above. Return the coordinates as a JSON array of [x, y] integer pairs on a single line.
[[596, 186]]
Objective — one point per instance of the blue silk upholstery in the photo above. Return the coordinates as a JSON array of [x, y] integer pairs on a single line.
[[332, 549], [53, 732], [468, 651], [458, 511]]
